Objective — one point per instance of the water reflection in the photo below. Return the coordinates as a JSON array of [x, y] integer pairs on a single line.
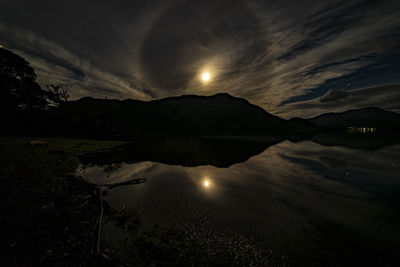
[[319, 201], [190, 151]]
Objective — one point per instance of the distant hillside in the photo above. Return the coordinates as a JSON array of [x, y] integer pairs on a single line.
[[364, 117], [190, 114]]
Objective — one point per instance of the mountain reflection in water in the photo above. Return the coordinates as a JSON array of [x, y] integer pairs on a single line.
[[305, 199]]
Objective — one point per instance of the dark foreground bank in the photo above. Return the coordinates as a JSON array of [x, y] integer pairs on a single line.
[[50, 216]]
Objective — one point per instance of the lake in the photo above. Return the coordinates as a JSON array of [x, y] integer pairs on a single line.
[[278, 200]]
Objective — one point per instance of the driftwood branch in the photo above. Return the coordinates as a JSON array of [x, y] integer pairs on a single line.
[[100, 224], [130, 182], [101, 190]]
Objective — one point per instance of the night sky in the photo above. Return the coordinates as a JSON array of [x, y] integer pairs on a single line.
[[293, 58]]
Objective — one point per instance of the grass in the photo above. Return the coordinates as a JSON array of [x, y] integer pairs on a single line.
[[42, 205]]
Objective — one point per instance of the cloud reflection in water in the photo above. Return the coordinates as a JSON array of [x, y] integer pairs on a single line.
[[290, 194]]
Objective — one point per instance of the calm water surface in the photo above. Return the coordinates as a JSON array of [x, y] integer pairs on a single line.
[[293, 199]]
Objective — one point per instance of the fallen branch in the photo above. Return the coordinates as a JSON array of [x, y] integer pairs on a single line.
[[101, 190], [134, 181], [100, 221]]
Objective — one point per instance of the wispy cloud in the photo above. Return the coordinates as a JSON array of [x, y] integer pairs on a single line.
[[278, 54], [55, 64], [386, 97]]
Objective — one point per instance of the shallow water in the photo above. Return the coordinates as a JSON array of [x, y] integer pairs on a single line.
[[301, 200]]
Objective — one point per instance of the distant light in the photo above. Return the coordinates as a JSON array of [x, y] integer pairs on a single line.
[[206, 183], [1, 46], [205, 76]]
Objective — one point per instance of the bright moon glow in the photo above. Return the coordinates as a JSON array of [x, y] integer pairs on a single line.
[[206, 183], [205, 76]]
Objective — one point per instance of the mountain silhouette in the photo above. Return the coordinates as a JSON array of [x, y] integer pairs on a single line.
[[365, 117], [220, 114], [26, 109]]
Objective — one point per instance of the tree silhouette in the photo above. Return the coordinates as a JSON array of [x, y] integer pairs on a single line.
[[18, 87]]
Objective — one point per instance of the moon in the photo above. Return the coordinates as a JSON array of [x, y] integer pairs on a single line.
[[205, 76]]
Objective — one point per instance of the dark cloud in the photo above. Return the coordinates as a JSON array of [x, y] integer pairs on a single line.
[[294, 59]]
